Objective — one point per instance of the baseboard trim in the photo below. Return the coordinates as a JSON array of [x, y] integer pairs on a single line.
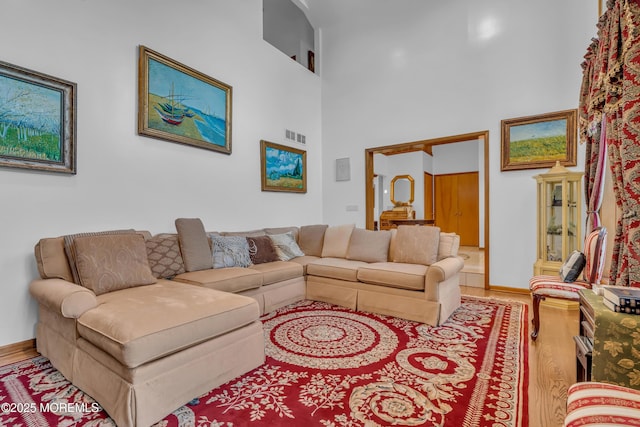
[[19, 347], [560, 303], [508, 289]]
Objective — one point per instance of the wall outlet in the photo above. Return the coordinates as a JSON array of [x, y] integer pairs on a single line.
[[352, 208]]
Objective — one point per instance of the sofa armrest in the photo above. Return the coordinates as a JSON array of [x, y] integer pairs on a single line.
[[441, 271], [66, 298]]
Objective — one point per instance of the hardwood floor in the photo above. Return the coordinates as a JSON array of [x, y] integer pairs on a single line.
[[552, 363]]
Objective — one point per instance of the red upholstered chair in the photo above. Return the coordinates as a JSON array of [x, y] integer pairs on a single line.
[[599, 404], [554, 287]]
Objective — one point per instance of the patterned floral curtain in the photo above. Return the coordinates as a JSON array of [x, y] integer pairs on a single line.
[[610, 116]]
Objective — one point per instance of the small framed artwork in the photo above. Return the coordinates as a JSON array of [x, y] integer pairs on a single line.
[[539, 141], [311, 61], [179, 104], [37, 120], [283, 168]]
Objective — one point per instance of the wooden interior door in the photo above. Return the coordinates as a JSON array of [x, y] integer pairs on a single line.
[[468, 209], [428, 196], [446, 203], [457, 206]]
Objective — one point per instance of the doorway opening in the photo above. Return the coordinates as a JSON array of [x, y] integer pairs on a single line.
[[476, 257]]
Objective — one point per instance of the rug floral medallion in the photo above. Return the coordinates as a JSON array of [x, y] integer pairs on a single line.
[[331, 366]]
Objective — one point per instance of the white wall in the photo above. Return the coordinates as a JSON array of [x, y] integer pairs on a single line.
[[410, 70], [125, 180]]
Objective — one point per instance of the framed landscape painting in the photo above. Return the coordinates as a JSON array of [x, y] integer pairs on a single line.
[[283, 168], [37, 120], [539, 141], [179, 104]]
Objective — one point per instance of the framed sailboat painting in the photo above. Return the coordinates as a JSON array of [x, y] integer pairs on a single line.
[[179, 104]]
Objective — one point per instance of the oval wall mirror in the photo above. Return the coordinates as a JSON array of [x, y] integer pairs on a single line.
[[402, 190]]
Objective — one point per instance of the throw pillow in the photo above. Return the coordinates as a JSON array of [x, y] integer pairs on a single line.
[[261, 250], [417, 244], [572, 267], [336, 241], [230, 251], [311, 238], [69, 248], [163, 252], [368, 245], [283, 230], [285, 246], [111, 262], [448, 246], [194, 244]]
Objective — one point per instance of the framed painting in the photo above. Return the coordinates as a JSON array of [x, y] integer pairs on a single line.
[[37, 120], [283, 168], [179, 104], [539, 141]]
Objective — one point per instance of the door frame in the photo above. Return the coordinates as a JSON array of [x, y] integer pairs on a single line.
[[425, 145]]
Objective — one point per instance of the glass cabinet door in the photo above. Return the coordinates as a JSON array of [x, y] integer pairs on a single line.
[[559, 218]]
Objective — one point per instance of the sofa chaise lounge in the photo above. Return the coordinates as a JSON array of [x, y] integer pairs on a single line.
[[127, 316]]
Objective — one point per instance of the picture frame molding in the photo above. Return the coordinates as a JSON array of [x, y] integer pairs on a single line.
[[507, 164], [264, 145], [144, 55], [68, 126]]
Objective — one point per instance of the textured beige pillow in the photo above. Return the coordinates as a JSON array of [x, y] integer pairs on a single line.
[[448, 246], [311, 238], [194, 244], [417, 244], [336, 241], [368, 245], [112, 262], [69, 248]]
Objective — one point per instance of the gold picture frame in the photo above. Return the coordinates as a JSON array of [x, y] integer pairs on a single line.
[[539, 141], [37, 121], [283, 168], [179, 104]]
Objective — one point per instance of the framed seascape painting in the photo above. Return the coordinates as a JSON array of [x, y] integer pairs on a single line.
[[283, 168], [539, 141], [179, 104], [37, 120]]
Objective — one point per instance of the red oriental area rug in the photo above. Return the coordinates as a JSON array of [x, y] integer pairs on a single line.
[[330, 366]]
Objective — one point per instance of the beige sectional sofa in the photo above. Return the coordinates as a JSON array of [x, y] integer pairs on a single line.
[[127, 316]]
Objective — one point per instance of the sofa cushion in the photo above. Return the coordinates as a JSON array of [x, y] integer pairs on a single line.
[[304, 261], [311, 238], [417, 244], [394, 274], [51, 259], [448, 246], [163, 252], [336, 241], [230, 279], [138, 325], [230, 251], [261, 250], [250, 233], [70, 249], [368, 245], [194, 244], [278, 271], [285, 246], [111, 262], [335, 268]]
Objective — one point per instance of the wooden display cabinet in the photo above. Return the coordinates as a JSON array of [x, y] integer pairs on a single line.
[[559, 218]]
